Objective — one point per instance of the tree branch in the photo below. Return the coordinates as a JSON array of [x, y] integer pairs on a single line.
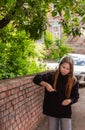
[[10, 14]]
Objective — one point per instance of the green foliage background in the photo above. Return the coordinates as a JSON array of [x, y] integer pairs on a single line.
[[23, 21], [55, 48], [31, 15], [17, 54]]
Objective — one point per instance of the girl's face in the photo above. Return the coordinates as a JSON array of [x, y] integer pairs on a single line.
[[64, 68]]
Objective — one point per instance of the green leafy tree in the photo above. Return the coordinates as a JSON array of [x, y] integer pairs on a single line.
[[72, 14], [58, 49], [62, 48], [17, 54], [48, 39], [31, 15]]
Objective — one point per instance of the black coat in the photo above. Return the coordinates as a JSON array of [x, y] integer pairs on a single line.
[[52, 100]]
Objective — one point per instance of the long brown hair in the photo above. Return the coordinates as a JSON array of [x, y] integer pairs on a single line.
[[71, 77]]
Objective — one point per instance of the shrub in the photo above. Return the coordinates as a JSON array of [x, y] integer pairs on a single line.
[[17, 54]]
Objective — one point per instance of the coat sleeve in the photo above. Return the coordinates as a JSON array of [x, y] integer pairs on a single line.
[[75, 93], [47, 77]]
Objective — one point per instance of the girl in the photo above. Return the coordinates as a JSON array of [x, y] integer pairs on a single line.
[[61, 91]]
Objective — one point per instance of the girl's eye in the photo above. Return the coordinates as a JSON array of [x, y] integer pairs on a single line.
[[65, 68]]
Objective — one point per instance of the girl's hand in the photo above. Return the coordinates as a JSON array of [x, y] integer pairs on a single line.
[[66, 102], [47, 86]]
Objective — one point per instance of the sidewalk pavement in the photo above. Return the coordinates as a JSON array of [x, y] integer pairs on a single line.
[[78, 116]]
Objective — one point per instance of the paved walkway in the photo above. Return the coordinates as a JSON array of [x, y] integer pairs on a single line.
[[78, 117]]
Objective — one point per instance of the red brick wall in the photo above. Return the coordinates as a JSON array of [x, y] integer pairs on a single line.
[[20, 104]]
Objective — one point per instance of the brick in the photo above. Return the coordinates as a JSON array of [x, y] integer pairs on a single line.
[[16, 128], [20, 104], [4, 88], [3, 127], [14, 125], [2, 102], [3, 95]]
